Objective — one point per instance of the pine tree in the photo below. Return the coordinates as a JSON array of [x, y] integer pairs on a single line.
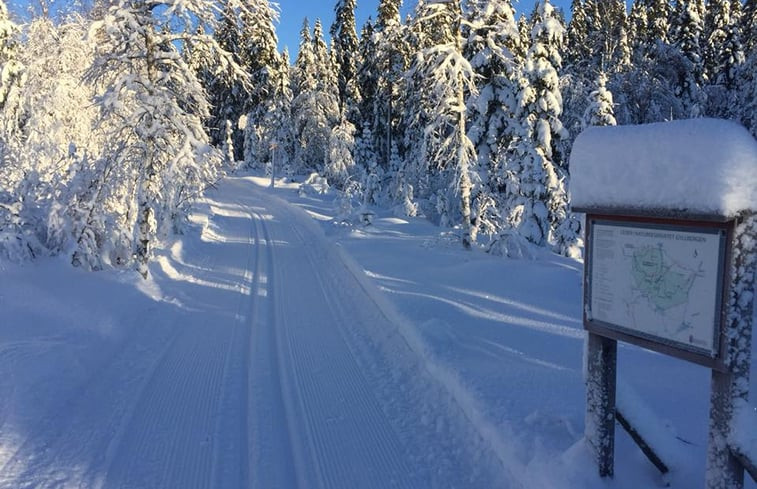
[[723, 49], [492, 43], [652, 88], [446, 76], [372, 175], [268, 135], [541, 201], [491, 48], [260, 58], [227, 93], [389, 64], [606, 36], [345, 46], [638, 23], [578, 51], [600, 111], [688, 26], [339, 162], [659, 13], [315, 109], [367, 75]]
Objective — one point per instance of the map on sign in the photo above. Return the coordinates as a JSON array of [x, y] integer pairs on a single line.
[[658, 282]]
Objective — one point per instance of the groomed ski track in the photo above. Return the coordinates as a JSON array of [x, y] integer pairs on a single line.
[[279, 367]]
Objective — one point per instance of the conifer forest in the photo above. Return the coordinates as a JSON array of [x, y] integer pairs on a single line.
[[114, 118]]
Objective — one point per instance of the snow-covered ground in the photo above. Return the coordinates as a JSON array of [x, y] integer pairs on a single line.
[[260, 354]]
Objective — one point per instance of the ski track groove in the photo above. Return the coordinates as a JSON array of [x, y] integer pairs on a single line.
[[273, 449], [379, 450], [230, 455], [353, 386]]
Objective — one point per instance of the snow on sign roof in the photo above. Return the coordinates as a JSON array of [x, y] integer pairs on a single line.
[[696, 166]]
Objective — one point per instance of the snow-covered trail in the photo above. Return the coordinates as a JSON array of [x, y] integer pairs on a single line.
[[265, 360]]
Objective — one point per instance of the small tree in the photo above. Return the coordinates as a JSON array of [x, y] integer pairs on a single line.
[[600, 111], [339, 163]]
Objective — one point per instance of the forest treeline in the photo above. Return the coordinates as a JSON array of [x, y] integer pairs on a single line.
[[115, 118]]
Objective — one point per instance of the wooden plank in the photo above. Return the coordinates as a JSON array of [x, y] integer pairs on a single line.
[[749, 465], [600, 401], [641, 442], [724, 471]]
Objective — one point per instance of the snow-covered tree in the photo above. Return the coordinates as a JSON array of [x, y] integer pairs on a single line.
[[152, 108], [49, 152], [372, 175], [540, 204], [367, 77], [577, 36], [600, 111], [607, 46], [315, 107], [658, 85], [746, 93], [724, 55], [388, 65], [345, 46], [492, 46], [11, 71], [339, 161], [260, 59], [688, 26], [227, 94], [446, 76], [274, 133]]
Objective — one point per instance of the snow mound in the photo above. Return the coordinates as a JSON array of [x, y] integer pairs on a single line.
[[697, 166]]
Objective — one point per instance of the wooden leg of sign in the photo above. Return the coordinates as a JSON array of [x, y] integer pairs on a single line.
[[732, 387], [601, 364], [723, 469]]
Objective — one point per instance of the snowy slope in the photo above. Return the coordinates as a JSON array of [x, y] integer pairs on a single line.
[[260, 354]]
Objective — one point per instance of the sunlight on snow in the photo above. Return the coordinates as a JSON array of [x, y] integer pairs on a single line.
[[174, 274], [387, 278], [479, 312], [318, 216], [229, 211], [518, 305]]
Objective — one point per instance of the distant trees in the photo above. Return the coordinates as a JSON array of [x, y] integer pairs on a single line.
[[112, 121]]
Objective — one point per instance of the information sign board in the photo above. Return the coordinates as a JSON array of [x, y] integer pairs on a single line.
[[658, 284]]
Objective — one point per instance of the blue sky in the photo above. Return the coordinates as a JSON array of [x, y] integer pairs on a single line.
[[294, 11]]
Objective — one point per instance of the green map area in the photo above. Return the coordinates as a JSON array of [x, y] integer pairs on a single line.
[[658, 279]]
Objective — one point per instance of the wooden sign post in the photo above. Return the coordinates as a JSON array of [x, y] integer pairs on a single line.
[[731, 385], [681, 287], [669, 265]]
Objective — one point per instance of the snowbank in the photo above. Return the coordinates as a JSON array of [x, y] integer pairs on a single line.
[[698, 166]]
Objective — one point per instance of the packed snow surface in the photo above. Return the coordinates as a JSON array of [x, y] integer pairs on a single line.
[[699, 166], [277, 345]]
